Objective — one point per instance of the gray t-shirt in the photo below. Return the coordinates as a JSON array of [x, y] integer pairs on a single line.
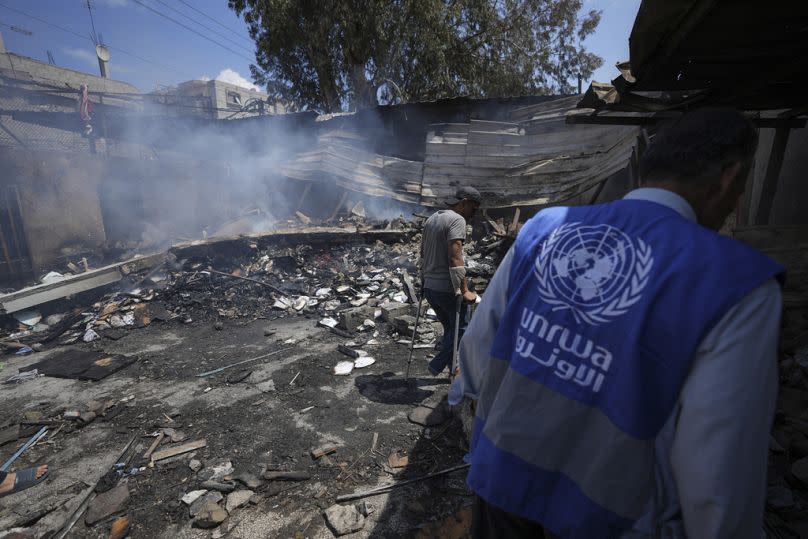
[[441, 228]]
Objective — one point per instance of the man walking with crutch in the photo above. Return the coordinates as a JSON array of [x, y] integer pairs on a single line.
[[444, 271]]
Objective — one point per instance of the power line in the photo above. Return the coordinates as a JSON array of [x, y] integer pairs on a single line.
[[67, 30], [175, 21], [17, 29], [208, 28], [216, 21], [92, 22]]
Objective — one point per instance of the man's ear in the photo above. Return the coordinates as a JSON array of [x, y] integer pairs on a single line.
[[733, 177]]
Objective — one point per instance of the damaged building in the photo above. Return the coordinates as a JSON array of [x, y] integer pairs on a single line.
[[206, 321]]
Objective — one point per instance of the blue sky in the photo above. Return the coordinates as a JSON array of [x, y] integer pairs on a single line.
[[147, 50]]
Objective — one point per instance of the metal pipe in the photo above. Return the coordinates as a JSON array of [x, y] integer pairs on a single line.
[[415, 331], [22, 450]]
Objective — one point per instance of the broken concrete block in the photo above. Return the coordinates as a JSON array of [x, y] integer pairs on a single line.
[[221, 470], [429, 417], [393, 309], [107, 504], [210, 516], [238, 499], [249, 480], [405, 325], [344, 519], [351, 319], [191, 497], [195, 465], [210, 497]]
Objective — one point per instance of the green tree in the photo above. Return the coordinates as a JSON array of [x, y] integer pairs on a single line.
[[329, 55]]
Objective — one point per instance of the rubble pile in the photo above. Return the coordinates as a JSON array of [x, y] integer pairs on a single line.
[[346, 286], [364, 294]]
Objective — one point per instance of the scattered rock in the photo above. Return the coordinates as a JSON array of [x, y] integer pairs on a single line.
[[218, 326], [351, 319], [269, 332], [191, 497], [211, 497], [210, 515], [393, 309], [266, 386], [195, 465], [344, 519], [429, 417], [365, 508], [221, 470], [238, 499], [405, 324], [107, 504], [249, 480]]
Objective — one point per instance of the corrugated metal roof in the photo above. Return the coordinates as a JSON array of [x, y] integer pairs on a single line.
[[536, 158]]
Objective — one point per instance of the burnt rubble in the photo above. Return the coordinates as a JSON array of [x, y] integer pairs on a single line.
[[307, 300]]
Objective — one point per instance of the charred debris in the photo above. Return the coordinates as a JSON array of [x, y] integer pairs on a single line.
[[322, 308]]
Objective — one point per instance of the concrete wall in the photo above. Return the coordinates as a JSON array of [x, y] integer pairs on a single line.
[[222, 106], [46, 72], [60, 208]]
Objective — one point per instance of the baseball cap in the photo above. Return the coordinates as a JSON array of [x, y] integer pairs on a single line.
[[466, 193]]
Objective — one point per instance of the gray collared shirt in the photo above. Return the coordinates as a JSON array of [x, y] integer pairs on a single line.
[[711, 456]]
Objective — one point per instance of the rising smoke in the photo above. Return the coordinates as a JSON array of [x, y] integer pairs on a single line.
[[197, 179]]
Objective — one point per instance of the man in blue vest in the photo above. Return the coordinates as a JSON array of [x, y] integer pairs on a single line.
[[623, 360]]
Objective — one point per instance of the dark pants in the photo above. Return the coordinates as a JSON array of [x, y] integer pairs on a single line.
[[445, 306], [489, 522]]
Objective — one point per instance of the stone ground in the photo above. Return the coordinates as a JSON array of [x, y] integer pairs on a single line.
[[250, 428]]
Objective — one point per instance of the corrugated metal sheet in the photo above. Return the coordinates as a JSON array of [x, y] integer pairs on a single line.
[[340, 158], [534, 159]]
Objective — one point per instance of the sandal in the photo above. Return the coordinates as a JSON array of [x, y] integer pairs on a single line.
[[24, 479]]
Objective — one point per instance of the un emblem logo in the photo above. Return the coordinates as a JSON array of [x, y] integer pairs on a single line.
[[596, 271]]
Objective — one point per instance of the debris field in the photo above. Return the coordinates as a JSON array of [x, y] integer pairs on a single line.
[[249, 387]]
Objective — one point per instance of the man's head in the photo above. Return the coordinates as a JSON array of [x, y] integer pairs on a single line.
[[466, 201], [705, 156]]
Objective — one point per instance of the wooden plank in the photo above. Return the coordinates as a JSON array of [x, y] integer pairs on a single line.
[[37, 295], [178, 450], [303, 196], [339, 205], [768, 188]]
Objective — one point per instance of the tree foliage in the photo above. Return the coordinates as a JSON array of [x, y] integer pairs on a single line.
[[329, 55]]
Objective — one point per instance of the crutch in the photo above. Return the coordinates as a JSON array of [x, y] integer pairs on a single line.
[[415, 331], [455, 351]]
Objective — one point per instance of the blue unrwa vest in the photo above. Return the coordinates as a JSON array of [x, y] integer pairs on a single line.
[[607, 305]]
